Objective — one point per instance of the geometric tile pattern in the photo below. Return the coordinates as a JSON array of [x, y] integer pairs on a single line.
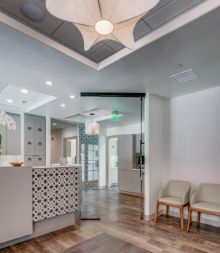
[[55, 192], [87, 141]]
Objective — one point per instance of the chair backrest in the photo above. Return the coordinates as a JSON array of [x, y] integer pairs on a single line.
[[177, 188], [209, 193]]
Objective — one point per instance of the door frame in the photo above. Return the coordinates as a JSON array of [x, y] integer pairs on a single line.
[[107, 157], [77, 148]]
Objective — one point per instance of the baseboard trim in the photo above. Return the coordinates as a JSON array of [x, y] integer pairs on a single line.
[[151, 216], [45, 227], [130, 193], [175, 213]]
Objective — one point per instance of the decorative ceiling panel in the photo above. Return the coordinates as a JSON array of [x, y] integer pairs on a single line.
[[68, 35]]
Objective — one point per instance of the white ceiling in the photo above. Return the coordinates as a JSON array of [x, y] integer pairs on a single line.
[[26, 63], [12, 95], [58, 124]]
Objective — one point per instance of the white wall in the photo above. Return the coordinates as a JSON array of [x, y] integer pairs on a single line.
[[184, 143], [128, 129], [195, 140], [195, 137], [157, 155]]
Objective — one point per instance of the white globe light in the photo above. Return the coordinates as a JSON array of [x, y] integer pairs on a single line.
[[104, 27]]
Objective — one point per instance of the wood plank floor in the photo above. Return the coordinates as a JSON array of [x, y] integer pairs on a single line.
[[107, 244], [120, 218]]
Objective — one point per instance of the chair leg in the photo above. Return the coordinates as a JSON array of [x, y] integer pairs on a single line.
[[182, 217], [198, 218], [167, 211], [189, 219], [156, 212], [188, 214]]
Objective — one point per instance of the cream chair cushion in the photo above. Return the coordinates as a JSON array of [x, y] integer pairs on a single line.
[[211, 207], [175, 192], [207, 197], [172, 200]]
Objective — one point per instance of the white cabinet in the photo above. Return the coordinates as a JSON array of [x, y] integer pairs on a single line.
[[35, 140], [16, 203], [129, 181], [128, 177], [32, 160]]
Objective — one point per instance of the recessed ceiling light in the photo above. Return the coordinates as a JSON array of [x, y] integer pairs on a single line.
[[63, 105], [49, 83], [9, 100], [72, 96], [24, 91], [54, 124]]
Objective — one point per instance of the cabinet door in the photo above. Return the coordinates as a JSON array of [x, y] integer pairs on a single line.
[[29, 134], [3, 143], [29, 160], [39, 161], [14, 137], [40, 136]]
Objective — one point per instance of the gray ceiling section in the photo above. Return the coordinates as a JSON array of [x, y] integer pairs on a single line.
[[68, 35]]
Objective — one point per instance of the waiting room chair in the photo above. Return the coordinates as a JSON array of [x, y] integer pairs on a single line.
[[175, 194], [205, 200]]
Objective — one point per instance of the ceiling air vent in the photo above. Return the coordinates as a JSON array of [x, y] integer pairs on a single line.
[[185, 76]]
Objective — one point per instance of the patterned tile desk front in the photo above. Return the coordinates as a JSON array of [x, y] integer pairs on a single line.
[[55, 192]]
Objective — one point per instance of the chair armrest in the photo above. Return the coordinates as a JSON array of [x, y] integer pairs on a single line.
[[186, 197], [195, 197], [163, 192]]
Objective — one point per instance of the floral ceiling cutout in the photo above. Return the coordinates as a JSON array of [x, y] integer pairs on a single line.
[[99, 20]]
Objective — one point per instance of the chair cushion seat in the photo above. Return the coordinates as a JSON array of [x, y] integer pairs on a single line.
[[207, 206], [172, 200]]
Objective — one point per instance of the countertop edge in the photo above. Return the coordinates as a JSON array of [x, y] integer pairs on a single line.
[[57, 167]]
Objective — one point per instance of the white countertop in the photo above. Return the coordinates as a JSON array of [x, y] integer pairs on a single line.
[[57, 166]]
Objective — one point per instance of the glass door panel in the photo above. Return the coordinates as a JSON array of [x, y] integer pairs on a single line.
[[120, 118]]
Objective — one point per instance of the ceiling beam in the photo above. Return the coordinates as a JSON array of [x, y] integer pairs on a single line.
[[111, 94]]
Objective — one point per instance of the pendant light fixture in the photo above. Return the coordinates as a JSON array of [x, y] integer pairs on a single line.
[[92, 127], [99, 20]]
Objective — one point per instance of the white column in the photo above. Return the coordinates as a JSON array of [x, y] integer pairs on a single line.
[[102, 159], [22, 134], [146, 174], [48, 140]]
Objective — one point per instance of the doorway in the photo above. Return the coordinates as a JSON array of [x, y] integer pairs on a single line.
[[70, 147], [112, 162], [111, 147]]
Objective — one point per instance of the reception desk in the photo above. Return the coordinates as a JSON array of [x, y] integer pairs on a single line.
[[37, 200], [15, 203]]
